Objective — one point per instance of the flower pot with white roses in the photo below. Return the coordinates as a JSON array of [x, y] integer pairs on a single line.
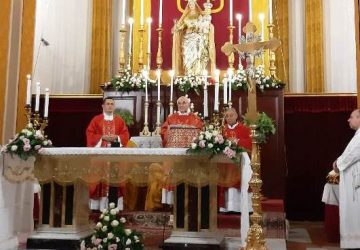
[[111, 233]]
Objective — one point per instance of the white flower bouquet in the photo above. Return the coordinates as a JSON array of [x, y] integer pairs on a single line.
[[212, 142], [128, 82], [189, 82], [28, 142], [111, 234]]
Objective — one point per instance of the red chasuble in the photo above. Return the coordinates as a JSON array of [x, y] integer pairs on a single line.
[[239, 132], [189, 119], [96, 129], [99, 127]]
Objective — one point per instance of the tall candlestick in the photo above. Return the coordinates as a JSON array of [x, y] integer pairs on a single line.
[[123, 13], [262, 17], [158, 74], [146, 74], [131, 22], [270, 12], [37, 97], [46, 105], [250, 10], [239, 18], [231, 12], [230, 73], [216, 100], [160, 12], [172, 73], [225, 91], [141, 12], [28, 90]]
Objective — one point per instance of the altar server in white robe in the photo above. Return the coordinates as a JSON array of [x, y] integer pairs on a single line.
[[348, 165]]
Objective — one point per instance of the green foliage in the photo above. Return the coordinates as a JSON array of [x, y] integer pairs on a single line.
[[126, 116], [264, 126]]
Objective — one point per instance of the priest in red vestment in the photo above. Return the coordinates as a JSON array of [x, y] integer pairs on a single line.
[[106, 130], [229, 198]]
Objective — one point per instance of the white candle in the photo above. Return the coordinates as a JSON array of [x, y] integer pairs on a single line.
[[250, 10], [123, 12], [46, 105], [206, 109], [145, 74], [230, 74], [28, 90], [225, 92], [141, 12], [149, 20], [231, 12], [131, 22], [216, 101], [37, 97], [239, 17], [171, 73], [158, 74], [160, 13], [270, 12]]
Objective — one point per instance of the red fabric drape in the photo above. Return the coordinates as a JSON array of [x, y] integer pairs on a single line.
[[220, 21], [318, 104]]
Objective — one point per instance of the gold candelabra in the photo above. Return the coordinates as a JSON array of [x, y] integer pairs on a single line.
[[39, 123], [272, 57], [122, 60], [141, 49], [159, 58], [146, 131], [231, 57]]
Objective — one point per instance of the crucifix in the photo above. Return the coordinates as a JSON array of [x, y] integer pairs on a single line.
[[250, 48]]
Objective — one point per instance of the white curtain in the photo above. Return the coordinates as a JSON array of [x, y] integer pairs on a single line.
[[296, 45], [62, 53], [340, 46]]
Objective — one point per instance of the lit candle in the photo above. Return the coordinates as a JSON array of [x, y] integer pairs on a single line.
[[206, 109], [160, 13], [270, 12], [149, 20], [250, 11], [158, 74], [131, 22], [171, 73], [225, 92], [141, 12], [230, 73], [37, 97], [46, 105], [231, 12], [216, 101], [123, 13], [28, 90], [239, 17]]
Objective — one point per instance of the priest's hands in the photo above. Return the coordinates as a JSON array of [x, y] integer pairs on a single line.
[[335, 168], [109, 138]]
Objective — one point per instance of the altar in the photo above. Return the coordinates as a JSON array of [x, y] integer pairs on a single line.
[[83, 166]]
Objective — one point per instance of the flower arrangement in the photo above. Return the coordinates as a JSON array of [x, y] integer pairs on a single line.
[[111, 234], [239, 80], [189, 82], [264, 126], [27, 143], [128, 82], [211, 141]]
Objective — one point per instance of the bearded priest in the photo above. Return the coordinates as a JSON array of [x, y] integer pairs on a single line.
[[106, 130]]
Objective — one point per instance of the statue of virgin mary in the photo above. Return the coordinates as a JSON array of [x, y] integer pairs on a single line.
[[193, 41]]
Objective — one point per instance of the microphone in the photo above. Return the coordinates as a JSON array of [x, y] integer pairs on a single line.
[[45, 42]]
